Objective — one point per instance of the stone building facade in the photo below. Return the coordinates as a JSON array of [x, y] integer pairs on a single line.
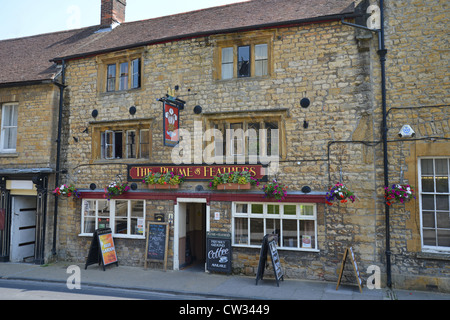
[[314, 79]]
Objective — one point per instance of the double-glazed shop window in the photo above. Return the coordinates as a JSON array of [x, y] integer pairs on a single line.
[[8, 133], [123, 75], [240, 61], [434, 193], [126, 218], [294, 224]]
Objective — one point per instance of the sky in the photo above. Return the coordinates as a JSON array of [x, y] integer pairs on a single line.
[[22, 18]]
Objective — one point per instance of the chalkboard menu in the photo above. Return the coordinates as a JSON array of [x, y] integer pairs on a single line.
[[157, 242], [102, 250], [218, 248], [269, 246]]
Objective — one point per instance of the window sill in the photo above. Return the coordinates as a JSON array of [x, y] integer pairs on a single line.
[[117, 236], [119, 92], [118, 161], [279, 248], [9, 154], [266, 77], [445, 256]]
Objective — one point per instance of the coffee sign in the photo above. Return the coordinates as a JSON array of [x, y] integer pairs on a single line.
[[218, 252]]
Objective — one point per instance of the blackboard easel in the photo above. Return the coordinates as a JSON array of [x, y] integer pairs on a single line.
[[157, 242], [355, 268], [269, 246]]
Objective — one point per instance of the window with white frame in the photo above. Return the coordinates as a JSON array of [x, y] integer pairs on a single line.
[[126, 218], [434, 193], [8, 136], [295, 224]]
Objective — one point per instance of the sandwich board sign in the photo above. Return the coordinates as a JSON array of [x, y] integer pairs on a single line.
[[102, 250], [269, 246], [349, 252]]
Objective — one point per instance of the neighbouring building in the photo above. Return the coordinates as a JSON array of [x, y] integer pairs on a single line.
[[297, 91]]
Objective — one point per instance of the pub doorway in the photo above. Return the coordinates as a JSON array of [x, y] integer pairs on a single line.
[[191, 227]]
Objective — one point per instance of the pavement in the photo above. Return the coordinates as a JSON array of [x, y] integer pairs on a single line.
[[196, 283]]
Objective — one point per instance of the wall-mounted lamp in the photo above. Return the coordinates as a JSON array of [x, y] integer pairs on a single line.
[[92, 186], [94, 113], [132, 110], [133, 186], [305, 124]]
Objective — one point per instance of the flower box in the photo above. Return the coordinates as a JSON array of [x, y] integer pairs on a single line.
[[163, 186], [234, 186]]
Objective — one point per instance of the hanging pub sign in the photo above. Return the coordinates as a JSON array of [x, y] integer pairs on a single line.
[[171, 120]]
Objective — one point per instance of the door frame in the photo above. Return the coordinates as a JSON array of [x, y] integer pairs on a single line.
[[178, 218]]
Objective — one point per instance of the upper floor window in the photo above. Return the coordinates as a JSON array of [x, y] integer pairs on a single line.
[[129, 139], [236, 137], [244, 58], [8, 136], [118, 75], [120, 71]]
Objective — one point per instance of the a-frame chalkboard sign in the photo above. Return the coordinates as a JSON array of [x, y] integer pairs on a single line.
[[349, 251], [102, 250], [269, 246], [157, 243]]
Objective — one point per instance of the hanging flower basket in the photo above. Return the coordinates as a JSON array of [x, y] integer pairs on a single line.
[[275, 190], [236, 180], [168, 180], [116, 189], [399, 193], [339, 192], [66, 191]]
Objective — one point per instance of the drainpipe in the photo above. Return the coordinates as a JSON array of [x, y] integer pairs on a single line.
[[382, 54], [61, 86]]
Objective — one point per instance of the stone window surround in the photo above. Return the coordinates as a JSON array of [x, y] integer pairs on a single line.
[[97, 127]]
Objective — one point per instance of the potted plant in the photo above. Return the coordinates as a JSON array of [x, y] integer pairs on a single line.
[[116, 189], [339, 192], [236, 180], [399, 193], [66, 191], [275, 190], [168, 180]]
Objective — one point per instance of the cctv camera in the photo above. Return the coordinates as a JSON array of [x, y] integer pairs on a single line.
[[406, 132]]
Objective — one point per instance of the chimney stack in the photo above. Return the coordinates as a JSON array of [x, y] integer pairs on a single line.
[[113, 12]]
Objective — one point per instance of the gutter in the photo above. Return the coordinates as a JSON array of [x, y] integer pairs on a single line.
[[284, 24], [61, 86]]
